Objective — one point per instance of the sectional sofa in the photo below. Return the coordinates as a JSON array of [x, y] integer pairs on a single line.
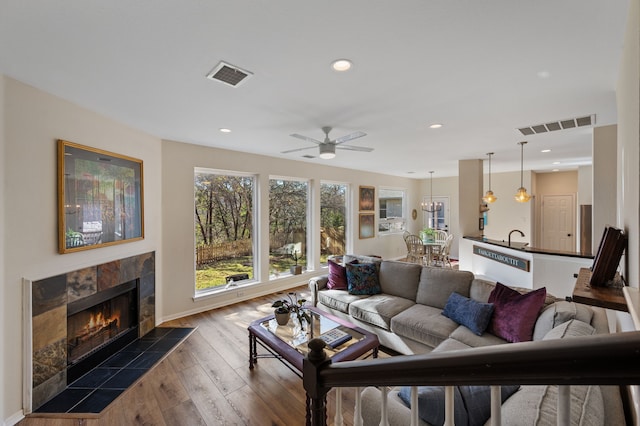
[[411, 312]]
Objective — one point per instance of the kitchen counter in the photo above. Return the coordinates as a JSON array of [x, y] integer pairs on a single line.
[[519, 265], [524, 247]]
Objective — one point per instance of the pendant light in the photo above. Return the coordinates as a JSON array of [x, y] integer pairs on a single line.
[[431, 206], [522, 196], [489, 197]]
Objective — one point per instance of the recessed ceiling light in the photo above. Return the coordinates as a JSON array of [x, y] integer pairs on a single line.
[[435, 126], [341, 65], [544, 74], [225, 130], [556, 162], [546, 150]]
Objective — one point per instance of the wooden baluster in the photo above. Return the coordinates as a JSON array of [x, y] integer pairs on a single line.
[[316, 395], [357, 412], [384, 415], [448, 406], [414, 406], [564, 405], [496, 406]]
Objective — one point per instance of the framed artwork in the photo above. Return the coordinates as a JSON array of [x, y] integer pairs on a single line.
[[366, 225], [100, 198], [367, 198]]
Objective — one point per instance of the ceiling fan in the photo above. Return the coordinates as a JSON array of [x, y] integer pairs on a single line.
[[328, 146]]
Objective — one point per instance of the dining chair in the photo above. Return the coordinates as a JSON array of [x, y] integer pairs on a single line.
[[415, 249], [442, 258]]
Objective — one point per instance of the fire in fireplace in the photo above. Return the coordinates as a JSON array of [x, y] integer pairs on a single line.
[[99, 325]]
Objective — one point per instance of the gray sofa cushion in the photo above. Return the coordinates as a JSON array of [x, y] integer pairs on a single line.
[[424, 324], [400, 278], [536, 405], [379, 309], [338, 299], [572, 328], [437, 284], [466, 336], [558, 313]]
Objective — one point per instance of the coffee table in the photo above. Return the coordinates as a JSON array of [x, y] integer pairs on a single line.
[[288, 343]]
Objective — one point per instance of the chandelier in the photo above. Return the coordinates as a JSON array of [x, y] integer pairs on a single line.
[[431, 206]]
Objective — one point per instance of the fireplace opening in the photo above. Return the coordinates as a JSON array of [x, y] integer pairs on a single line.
[[100, 325]]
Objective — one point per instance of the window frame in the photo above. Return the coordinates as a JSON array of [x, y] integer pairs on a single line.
[[402, 220]]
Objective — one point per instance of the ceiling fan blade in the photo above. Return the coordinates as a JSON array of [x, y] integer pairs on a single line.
[[354, 148], [305, 138], [349, 137], [298, 149]]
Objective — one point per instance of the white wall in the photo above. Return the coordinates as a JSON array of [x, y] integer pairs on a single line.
[[4, 317], [628, 102], [605, 168], [506, 213], [33, 121]]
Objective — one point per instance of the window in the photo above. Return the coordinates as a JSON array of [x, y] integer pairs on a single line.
[[391, 217], [288, 212], [224, 229], [333, 214]]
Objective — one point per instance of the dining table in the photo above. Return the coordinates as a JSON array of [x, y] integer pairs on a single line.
[[428, 250]]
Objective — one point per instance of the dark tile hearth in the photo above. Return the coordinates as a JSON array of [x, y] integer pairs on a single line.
[[95, 390]]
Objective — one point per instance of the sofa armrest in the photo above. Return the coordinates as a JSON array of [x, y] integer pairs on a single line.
[[315, 284]]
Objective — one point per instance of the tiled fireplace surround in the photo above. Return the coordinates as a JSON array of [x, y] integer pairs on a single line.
[[49, 299]]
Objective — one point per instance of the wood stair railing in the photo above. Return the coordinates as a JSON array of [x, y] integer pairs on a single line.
[[609, 359]]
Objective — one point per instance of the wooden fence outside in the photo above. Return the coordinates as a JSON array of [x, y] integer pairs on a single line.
[[207, 254], [332, 243]]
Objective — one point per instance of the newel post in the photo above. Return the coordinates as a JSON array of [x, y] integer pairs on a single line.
[[313, 363]]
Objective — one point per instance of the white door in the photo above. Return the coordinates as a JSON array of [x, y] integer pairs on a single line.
[[558, 222], [439, 219]]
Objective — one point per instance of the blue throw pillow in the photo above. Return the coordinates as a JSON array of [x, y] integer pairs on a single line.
[[471, 405], [468, 312], [362, 278]]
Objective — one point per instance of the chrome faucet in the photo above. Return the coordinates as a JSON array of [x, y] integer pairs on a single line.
[[515, 230]]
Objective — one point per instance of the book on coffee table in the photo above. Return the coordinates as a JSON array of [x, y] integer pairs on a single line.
[[335, 337]]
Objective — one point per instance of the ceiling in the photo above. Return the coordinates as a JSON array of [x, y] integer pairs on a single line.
[[480, 68]]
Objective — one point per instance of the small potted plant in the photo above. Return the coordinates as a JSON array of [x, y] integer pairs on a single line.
[[284, 308], [296, 269], [428, 235]]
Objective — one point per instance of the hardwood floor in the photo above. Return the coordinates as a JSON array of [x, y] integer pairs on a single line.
[[206, 380]]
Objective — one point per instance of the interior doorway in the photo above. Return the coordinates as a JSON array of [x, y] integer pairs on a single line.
[[559, 222]]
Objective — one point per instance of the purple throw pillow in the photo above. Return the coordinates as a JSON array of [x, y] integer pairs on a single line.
[[515, 314], [337, 276]]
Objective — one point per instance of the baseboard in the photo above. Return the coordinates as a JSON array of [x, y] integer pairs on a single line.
[[14, 418]]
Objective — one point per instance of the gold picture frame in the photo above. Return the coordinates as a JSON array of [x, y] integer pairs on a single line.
[[367, 198], [100, 198], [366, 225]]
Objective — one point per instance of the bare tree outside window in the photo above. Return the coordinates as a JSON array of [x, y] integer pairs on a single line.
[[224, 229], [288, 212], [333, 213]]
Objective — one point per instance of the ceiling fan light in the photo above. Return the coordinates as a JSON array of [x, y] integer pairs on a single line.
[[327, 151]]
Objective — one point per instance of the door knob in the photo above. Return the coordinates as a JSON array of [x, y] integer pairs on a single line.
[[568, 235]]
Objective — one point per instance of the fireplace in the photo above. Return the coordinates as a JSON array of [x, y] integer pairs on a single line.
[[77, 319], [100, 325]]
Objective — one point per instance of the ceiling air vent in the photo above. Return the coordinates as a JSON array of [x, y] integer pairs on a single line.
[[229, 74], [588, 120]]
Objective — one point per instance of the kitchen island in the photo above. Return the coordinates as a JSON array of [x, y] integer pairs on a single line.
[[518, 265]]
